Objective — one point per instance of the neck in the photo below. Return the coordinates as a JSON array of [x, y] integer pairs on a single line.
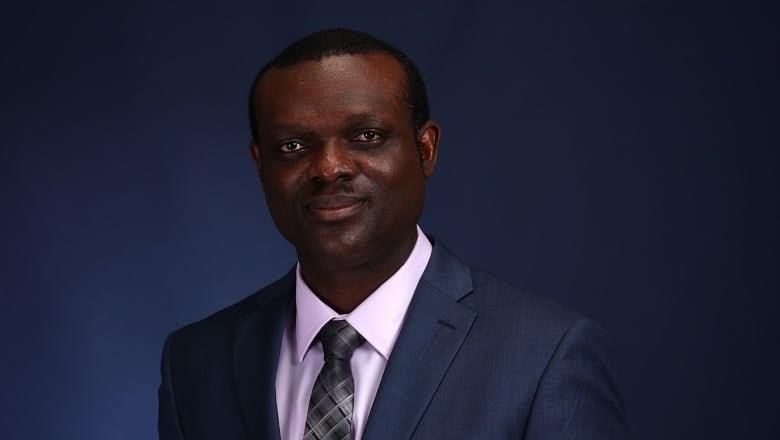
[[344, 287]]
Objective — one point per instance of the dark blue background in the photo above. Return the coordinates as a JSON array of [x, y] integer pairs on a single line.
[[617, 156]]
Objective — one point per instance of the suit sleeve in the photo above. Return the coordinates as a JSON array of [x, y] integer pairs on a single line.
[[578, 395], [168, 426]]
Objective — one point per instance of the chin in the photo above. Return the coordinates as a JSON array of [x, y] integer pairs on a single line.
[[334, 246]]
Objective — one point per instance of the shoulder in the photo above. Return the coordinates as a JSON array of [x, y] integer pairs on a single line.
[[528, 319], [503, 310], [497, 296], [497, 303], [220, 325]]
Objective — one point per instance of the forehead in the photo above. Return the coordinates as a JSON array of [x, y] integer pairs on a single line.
[[336, 85]]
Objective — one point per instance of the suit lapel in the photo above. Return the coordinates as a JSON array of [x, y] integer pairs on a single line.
[[255, 356], [434, 329]]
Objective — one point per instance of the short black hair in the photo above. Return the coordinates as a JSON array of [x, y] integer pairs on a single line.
[[334, 42]]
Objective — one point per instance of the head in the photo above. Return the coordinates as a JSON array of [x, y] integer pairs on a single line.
[[334, 42], [343, 145]]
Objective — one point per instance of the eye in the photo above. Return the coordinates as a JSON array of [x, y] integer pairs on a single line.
[[368, 136], [291, 146]]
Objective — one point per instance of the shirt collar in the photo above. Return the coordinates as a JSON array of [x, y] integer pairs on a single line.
[[378, 318]]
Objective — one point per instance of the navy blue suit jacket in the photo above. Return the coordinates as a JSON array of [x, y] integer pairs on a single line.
[[476, 359]]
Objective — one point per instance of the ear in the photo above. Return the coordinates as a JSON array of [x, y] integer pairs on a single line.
[[428, 142], [254, 150]]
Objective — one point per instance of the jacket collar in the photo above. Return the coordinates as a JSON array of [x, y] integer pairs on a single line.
[[435, 327], [257, 340], [434, 330]]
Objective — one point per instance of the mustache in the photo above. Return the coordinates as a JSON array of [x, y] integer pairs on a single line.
[[332, 194], [340, 187]]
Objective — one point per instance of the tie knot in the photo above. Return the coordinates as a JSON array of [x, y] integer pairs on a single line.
[[339, 339]]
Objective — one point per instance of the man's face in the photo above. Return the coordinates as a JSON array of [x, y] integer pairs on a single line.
[[342, 168]]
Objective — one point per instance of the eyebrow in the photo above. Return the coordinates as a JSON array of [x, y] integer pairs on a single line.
[[285, 126], [353, 119], [362, 117]]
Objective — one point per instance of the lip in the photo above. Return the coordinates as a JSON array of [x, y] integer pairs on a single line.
[[334, 208]]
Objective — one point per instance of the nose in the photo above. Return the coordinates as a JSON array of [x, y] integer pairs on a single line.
[[331, 162]]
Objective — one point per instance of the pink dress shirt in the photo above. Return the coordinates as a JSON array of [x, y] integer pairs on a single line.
[[378, 319]]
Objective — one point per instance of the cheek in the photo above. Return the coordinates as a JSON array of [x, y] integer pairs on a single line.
[[397, 166], [280, 189], [399, 183]]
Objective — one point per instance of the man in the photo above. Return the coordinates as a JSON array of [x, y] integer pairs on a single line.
[[379, 332]]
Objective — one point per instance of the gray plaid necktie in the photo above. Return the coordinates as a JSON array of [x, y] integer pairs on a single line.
[[330, 407]]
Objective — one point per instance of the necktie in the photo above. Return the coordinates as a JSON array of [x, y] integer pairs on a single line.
[[330, 407]]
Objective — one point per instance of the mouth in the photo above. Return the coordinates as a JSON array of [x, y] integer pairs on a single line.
[[334, 208]]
